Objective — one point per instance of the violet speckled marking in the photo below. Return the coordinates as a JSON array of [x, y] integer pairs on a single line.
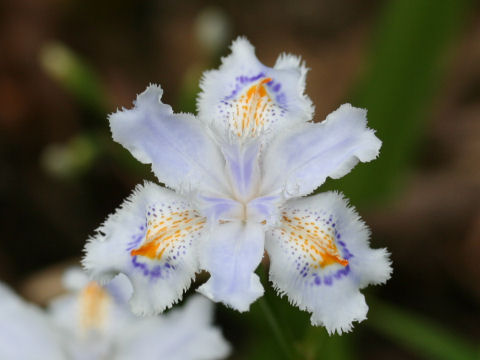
[[158, 271], [137, 239], [241, 81]]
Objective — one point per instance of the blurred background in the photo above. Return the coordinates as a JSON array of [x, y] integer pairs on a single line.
[[414, 64]]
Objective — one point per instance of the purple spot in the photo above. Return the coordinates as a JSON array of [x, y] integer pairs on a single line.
[[241, 81], [154, 273], [255, 78], [137, 239], [281, 98]]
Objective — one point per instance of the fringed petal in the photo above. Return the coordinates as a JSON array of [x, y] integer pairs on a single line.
[[153, 239], [320, 258], [298, 162], [245, 99]]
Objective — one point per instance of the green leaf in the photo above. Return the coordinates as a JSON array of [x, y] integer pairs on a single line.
[[74, 74], [404, 70], [419, 334]]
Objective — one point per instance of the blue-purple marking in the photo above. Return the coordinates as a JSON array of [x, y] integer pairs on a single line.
[[158, 271], [241, 81], [137, 238]]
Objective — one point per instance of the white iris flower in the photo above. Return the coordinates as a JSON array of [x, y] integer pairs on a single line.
[[95, 323], [26, 332], [236, 177]]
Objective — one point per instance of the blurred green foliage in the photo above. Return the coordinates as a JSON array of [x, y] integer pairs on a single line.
[[419, 334], [74, 74], [68, 161], [404, 70]]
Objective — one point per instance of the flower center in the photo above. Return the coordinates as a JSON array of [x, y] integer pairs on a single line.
[[258, 210]]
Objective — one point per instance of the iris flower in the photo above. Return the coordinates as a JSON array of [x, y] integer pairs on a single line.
[[236, 180], [92, 322], [26, 332]]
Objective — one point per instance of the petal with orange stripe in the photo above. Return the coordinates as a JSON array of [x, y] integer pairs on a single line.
[[245, 99], [153, 239], [320, 258]]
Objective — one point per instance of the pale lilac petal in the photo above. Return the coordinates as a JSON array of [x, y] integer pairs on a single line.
[[231, 255], [185, 333], [298, 162], [182, 154], [320, 258]]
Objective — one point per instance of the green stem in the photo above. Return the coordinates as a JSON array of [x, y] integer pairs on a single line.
[[276, 329]]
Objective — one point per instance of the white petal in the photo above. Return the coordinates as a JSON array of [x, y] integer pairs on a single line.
[[87, 320], [182, 154], [182, 334], [92, 318], [91, 307], [74, 279], [231, 255], [245, 99], [120, 289], [152, 238], [25, 332], [298, 162], [320, 258]]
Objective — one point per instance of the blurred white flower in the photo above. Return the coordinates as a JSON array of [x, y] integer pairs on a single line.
[[95, 323], [26, 332], [240, 171]]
